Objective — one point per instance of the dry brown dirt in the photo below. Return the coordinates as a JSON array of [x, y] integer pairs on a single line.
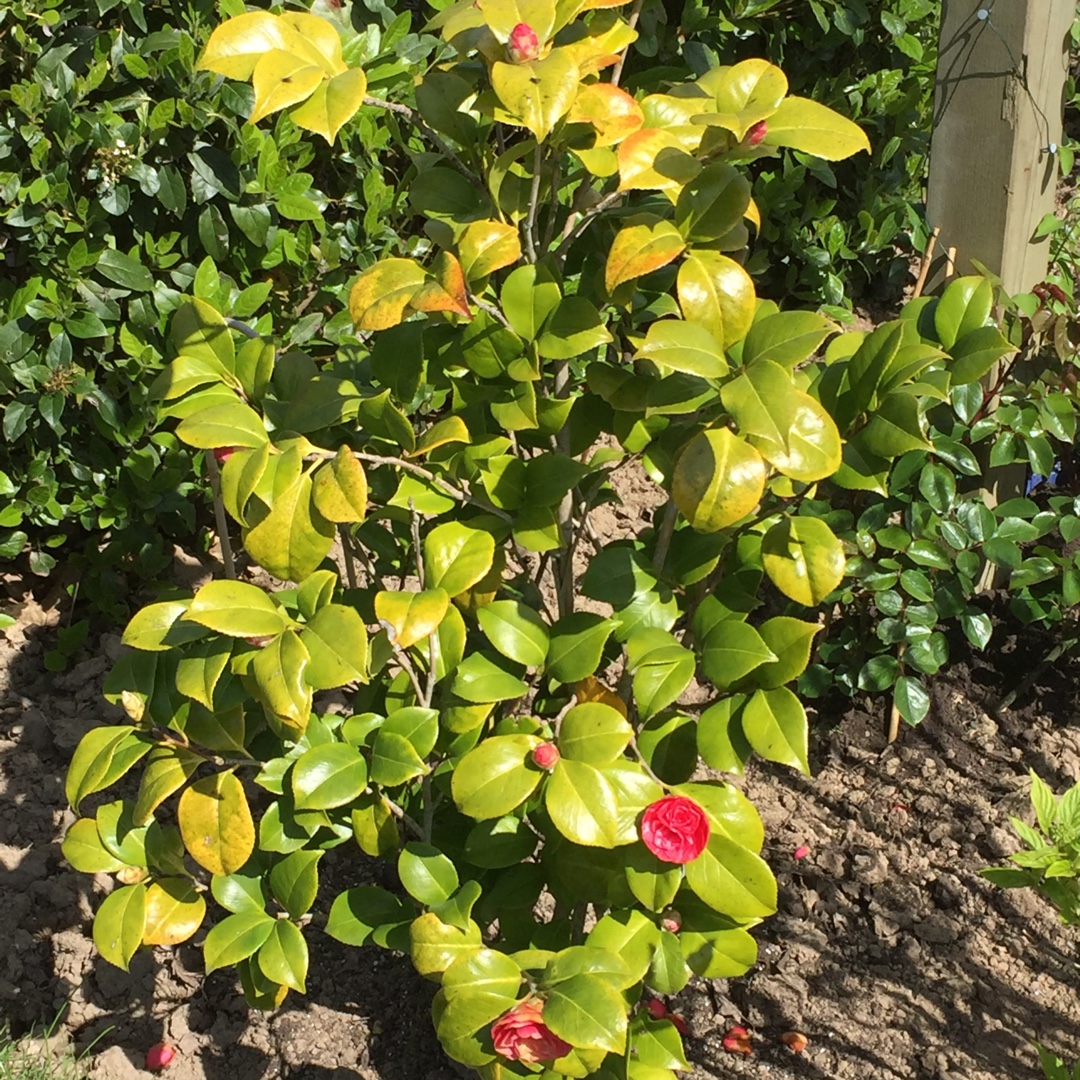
[[889, 951]]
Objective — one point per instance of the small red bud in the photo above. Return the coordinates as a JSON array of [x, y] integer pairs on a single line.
[[671, 920], [657, 1009], [546, 756], [756, 133], [678, 1022], [523, 45], [796, 1041], [259, 642], [158, 1056], [737, 1041], [801, 852], [223, 453]]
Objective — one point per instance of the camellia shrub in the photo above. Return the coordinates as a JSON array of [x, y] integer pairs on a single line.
[[528, 705]]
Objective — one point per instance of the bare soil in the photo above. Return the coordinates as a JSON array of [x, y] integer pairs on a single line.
[[889, 952]]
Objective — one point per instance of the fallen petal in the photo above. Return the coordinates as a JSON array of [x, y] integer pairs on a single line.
[[737, 1040], [795, 1041]]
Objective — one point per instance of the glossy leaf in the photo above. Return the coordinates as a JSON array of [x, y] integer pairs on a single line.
[[803, 559], [683, 346], [774, 723], [174, 912], [814, 129], [718, 480], [119, 924], [457, 556], [538, 93], [516, 631], [215, 823], [496, 777], [411, 616], [329, 775], [717, 293], [641, 249]]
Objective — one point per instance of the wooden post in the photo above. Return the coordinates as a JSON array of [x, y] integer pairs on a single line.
[[998, 109], [1002, 66]]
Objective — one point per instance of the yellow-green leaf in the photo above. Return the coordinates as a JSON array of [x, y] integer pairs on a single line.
[[215, 823], [118, 925], [719, 479], [653, 160], [174, 911], [814, 449], [641, 249], [538, 94], [451, 429], [382, 293], [487, 246], [803, 558], [411, 616], [717, 293], [815, 129], [293, 538], [333, 104], [339, 489], [611, 111]]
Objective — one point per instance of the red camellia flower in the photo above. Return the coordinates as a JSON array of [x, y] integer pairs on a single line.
[[546, 756], [757, 132], [523, 44], [158, 1056], [522, 1035], [675, 829]]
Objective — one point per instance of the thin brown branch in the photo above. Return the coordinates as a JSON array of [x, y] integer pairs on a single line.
[[632, 21]]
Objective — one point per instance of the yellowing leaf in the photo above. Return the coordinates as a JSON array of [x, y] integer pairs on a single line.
[[719, 479], [339, 489], [382, 293], [653, 160], [538, 94], [333, 104], [814, 449], [443, 288], [640, 249], [717, 293], [487, 246], [451, 429], [611, 111], [174, 911], [236, 45], [601, 46], [592, 689], [815, 129], [282, 79], [411, 616], [503, 15], [215, 823], [319, 40], [803, 558]]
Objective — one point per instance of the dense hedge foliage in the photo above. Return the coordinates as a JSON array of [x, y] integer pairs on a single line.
[[121, 170]]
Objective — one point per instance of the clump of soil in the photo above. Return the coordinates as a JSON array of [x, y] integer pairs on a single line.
[[889, 952]]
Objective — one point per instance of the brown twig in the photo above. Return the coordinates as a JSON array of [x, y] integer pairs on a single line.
[[635, 14], [927, 258]]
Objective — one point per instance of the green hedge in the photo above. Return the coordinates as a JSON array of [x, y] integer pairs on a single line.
[[114, 191]]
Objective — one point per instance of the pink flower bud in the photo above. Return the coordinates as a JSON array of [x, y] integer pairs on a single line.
[[546, 756], [756, 133], [158, 1056], [801, 852], [223, 453], [523, 44], [671, 920]]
